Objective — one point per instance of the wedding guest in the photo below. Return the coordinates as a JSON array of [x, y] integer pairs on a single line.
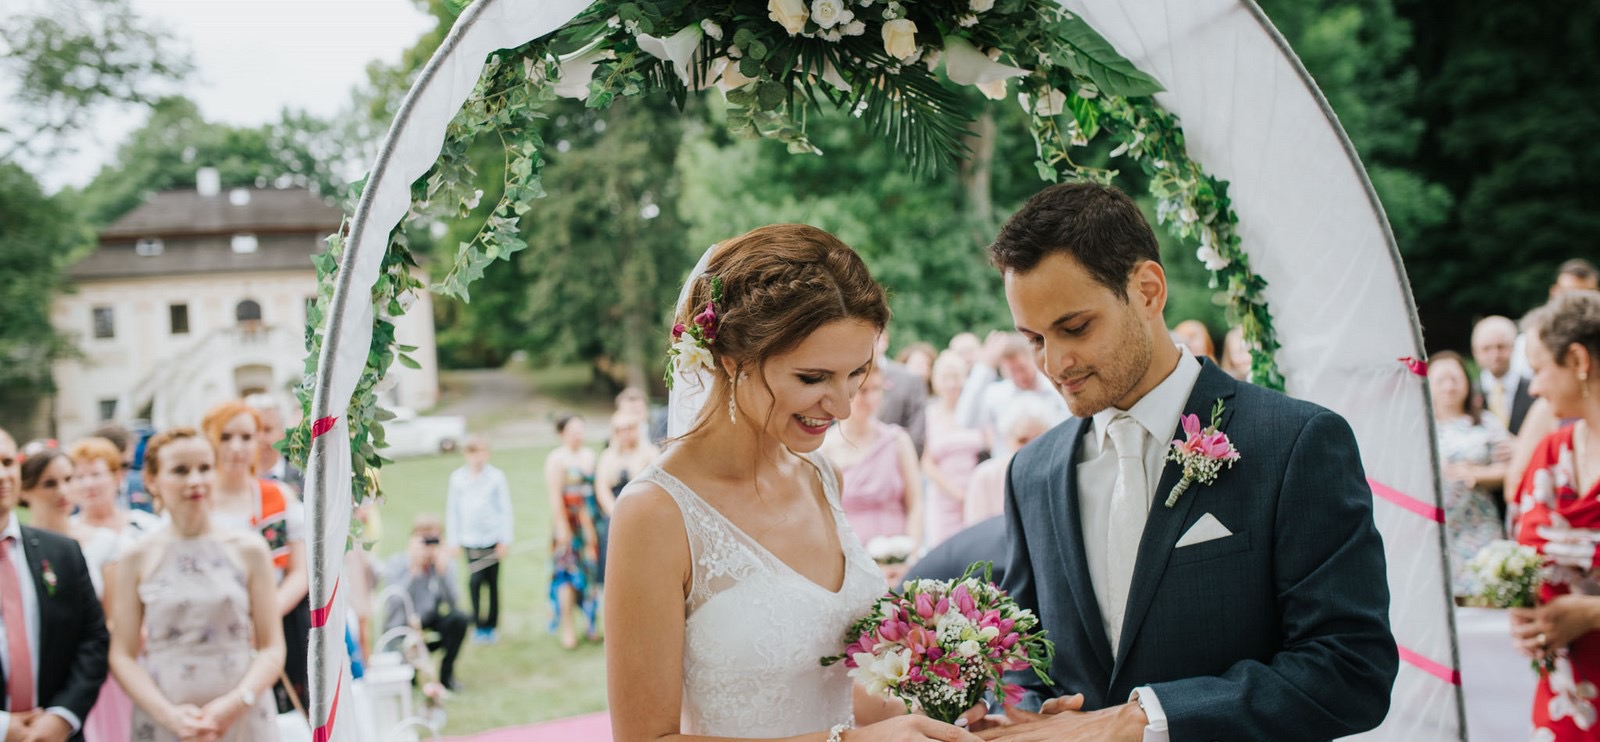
[[130, 483], [423, 575], [1576, 274], [1236, 354], [1505, 394], [967, 346], [905, 396], [1196, 337], [1473, 457], [196, 638], [983, 402], [918, 359], [574, 539], [478, 521], [271, 464], [49, 493], [952, 451], [986, 490], [632, 401], [51, 626], [626, 456], [1560, 495], [244, 501], [880, 483], [95, 463]]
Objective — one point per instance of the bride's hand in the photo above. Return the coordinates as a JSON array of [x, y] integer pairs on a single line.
[[910, 728]]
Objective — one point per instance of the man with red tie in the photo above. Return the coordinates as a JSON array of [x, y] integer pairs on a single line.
[[53, 636]]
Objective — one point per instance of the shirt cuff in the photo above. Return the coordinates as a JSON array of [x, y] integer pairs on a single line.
[[71, 718], [1155, 729]]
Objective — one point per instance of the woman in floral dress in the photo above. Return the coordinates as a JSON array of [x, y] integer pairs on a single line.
[[574, 542], [1560, 498], [1473, 460]]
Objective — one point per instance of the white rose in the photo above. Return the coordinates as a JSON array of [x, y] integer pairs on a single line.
[[829, 13], [791, 14], [900, 39], [981, 6], [712, 29], [854, 28]]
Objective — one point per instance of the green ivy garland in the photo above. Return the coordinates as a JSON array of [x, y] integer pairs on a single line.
[[776, 60]]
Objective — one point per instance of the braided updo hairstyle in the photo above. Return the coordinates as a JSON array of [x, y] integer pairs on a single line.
[[780, 283]]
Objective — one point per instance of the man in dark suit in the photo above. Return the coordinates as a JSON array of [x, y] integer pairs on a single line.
[[54, 641], [1252, 607], [1505, 393]]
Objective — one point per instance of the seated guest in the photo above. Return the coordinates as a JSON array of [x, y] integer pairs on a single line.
[[423, 574], [54, 632], [196, 640]]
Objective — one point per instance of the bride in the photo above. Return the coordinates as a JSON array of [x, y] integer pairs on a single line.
[[732, 571]]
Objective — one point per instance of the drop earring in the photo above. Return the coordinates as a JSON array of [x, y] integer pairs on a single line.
[[732, 388]]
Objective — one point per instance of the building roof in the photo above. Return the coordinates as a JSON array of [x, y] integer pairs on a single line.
[[187, 212], [196, 233]]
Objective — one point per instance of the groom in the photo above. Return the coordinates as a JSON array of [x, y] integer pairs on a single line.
[[1255, 607]]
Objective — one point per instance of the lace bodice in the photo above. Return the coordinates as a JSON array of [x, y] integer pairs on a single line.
[[755, 629]]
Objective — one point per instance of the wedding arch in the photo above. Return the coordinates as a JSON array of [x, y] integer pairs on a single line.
[[1246, 161]]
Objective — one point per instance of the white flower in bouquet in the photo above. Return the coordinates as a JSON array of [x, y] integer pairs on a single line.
[[830, 13], [791, 14], [900, 39], [1507, 575], [711, 28], [890, 549], [981, 6]]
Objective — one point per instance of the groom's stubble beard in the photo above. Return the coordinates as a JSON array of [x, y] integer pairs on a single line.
[[1124, 361]]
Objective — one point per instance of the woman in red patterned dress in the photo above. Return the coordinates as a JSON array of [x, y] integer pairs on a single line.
[[1560, 498]]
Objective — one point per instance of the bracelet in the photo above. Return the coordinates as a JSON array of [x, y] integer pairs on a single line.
[[836, 734]]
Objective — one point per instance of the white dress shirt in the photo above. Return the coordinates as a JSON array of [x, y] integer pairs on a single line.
[[1158, 412], [11, 538], [985, 401]]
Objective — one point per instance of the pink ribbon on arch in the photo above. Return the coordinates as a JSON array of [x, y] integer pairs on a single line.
[[325, 732], [319, 617], [1447, 674], [1406, 501], [323, 425]]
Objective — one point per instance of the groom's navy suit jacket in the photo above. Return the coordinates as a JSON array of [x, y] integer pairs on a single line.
[[1277, 632]]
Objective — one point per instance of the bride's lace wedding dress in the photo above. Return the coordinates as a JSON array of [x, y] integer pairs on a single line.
[[756, 629]]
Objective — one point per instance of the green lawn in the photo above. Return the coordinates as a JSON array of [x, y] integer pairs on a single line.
[[526, 677]]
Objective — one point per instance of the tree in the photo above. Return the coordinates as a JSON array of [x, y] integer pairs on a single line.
[[36, 233], [73, 57]]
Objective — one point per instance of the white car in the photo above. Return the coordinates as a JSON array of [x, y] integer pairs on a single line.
[[410, 434]]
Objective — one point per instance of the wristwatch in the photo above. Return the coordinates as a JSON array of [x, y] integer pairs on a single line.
[[247, 697]]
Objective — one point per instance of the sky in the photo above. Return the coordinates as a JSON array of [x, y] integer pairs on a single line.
[[252, 58]]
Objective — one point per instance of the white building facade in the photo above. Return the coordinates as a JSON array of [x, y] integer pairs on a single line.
[[197, 297]]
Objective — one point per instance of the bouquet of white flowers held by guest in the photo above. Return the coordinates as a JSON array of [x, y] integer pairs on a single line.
[[890, 550], [940, 645], [1508, 575]]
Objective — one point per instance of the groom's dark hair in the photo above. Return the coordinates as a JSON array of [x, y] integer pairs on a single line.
[[1097, 225]]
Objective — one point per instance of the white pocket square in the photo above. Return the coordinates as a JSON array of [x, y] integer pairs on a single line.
[[1208, 528]]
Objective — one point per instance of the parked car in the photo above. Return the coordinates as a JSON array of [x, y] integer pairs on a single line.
[[410, 434]]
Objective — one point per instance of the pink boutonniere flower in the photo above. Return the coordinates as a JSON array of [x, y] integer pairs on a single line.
[[49, 578], [1204, 452]]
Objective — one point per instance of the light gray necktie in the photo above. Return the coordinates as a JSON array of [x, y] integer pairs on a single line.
[[1130, 501]]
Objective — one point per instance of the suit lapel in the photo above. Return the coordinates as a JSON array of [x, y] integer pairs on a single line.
[[1162, 527], [1067, 520], [36, 560]]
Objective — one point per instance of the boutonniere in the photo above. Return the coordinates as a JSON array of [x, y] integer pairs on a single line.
[[1203, 453], [49, 578]]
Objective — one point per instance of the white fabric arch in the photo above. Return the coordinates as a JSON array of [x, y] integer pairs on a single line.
[[1308, 220]]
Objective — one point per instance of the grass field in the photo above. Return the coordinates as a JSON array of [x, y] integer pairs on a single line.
[[526, 677]]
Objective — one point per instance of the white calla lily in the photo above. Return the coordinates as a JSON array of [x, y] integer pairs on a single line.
[[965, 65], [678, 49]]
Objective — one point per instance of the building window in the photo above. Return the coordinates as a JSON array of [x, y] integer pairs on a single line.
[[148, 246], [247, 311], [245, 243], [105, 325], [108, 409], [178, 318]]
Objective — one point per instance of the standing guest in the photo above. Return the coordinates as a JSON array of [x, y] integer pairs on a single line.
[[633, 402], [627, 455], [245, 502], [1473, 456], [94, 474], [986, 490], [1576, 274], [967, 346], [952, 451], [905, 396], [881, 483], [1505, 394], [478, 520], [50, 494], [196, 638], [1560, 496], [1196, 337], [53, 630], [1236, 354], [984, 401], [423, 574], [574, 541], [271, 464], [918, 359], [130, 483]]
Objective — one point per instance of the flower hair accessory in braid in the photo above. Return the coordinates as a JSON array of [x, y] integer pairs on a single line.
[[691, 344]]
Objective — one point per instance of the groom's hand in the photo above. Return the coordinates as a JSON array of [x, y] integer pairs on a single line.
[[1062, 721], [1015, 715]]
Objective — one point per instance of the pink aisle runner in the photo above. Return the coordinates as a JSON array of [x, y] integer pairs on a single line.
[[589, 728]]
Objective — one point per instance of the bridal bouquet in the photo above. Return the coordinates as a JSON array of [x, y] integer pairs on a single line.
[[1507, 575], [939, 645]]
